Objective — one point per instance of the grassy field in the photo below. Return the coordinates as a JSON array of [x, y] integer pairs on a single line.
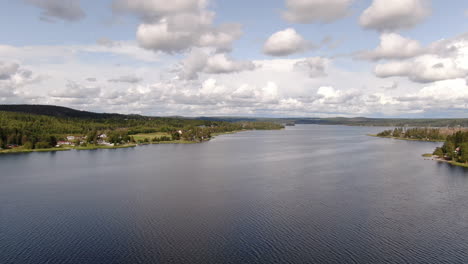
[[91, 147], [150, 136]]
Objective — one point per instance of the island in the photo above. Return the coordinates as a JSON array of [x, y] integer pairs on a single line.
[[38, 128]]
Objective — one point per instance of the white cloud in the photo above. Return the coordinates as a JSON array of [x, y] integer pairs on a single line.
[[62, 52], [309, 11], [285, 42], [177, 26], [442, 60], [76, 90], [7, 70], [13, 77], [315, 67], [423, 69], [158, 37], [152, 10], [220, 63], [198, 61], [69, 10], [126, 79], [384, 15], [445, 96], [393, 46], [264, 90]]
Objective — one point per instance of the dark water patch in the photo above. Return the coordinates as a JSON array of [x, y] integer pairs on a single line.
[[307, 194]]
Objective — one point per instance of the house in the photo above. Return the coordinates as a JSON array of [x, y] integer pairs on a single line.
[[103, 136], [63, 143], [70, 138]]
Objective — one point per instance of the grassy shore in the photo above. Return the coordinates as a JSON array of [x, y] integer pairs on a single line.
[[92, 147], [89, 147], [150, 136], [454, 163], [22, 150], [451, 162], [408, 139], [140, 137]]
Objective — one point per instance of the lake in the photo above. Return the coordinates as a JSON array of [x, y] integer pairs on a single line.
[[306, 194]]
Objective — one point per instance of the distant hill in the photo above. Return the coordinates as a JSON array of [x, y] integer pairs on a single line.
[[57, 111], [64, 112]]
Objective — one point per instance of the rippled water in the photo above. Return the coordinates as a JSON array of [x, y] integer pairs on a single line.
[[307, 194]]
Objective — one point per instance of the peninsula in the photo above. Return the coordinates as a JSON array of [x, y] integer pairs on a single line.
[[453, 151]]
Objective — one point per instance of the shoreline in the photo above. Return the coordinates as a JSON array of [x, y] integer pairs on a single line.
[[94, 147], [451, 162], [407, 139]]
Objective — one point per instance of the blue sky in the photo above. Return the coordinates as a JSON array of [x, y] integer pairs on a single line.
[[220, 57]]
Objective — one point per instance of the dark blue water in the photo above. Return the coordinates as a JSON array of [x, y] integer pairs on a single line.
[[308, 194]]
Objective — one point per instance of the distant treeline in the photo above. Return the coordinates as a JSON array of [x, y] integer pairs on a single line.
[[58, 111], [356, 121], [429, 134], [41, 131]]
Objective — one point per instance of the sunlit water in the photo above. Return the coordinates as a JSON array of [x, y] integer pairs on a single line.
[[307, 194]]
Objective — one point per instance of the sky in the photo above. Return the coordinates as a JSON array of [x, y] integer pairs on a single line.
[[264, 58]]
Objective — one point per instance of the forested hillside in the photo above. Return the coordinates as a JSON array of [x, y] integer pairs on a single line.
[[41, 131]]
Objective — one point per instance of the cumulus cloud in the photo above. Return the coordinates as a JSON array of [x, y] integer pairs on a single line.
[[310, 11], [423, 69], [393, 46], [177, 26], [315, 67], [68, 10], [442, 60], [7, 70], [285, 42], [392, 86], [153, 10], [199, 61], [126, 79], [75, 90], [13, 77], [384, 15], [447, 96]]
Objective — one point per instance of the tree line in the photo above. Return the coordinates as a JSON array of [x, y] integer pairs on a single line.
[[39, 131], [430, 134]]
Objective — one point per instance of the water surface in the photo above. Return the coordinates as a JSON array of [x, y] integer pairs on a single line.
[[307, 194]]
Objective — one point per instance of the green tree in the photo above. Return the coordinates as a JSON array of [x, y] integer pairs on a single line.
[[28, 145], [463, 155], [42, 145], [439, 152]]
